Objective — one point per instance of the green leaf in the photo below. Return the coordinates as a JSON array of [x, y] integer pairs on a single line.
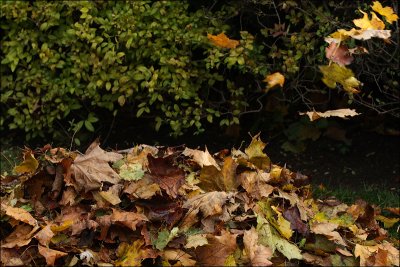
[[131, 172], [84, 10], [89, 126], [164, 237]]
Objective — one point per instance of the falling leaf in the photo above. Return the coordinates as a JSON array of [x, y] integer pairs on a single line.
[[341, 113], [366, 24], [274, 79], [218, 250], [221, 40], [387, 12], [194, 241], [164, 237], [50, 254], [92, 169], [339, 54], [19, 214], [29, 165], [337, 74], [203, 158], [268, 238], [259, 254]]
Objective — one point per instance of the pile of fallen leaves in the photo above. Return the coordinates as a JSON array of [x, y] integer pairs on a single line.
[[175, 206]]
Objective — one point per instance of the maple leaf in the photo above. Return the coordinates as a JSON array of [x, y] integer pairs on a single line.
[[255, 153], [112, 195], [131, 171], [259, 254], [50, 254], [337, 74], [203, 158], [218, 250], [274, 79], [341, 113], [369, 24], [145, 188], [225, 180], [178, 255], [29, 165], [92, 169], [255, 184], [387, 12], [126, 218], [194, 241], [366, 252], [339, 54], [208, 203], [132, 255], [268, 238], [221, 40]]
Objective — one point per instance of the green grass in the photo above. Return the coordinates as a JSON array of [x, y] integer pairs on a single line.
[[9, 158]]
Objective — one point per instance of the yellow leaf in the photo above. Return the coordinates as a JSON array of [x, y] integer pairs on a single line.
[[29, 165], [130, 255], [274, 79], [65, 225], [222, 40], [337, 74], [282, 225], [387, 12], [366, 24], [388, 222]]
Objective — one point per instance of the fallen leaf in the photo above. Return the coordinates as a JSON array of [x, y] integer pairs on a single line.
[[268, 238], [131, 171], [45, 235], [334, 74], [19, 214], [178, 255], [132, 255], [365, 252], [112, 194], [50, 254], [254, 184], [21, 236], [218, 250], [166, 175], [194, 241], [11, 257], [388, 222], [29, 165], [387, 12], [274, 79], [225, 180], [145, 188], [164, 237], [203, 158], [327, 229], [126, 218], [259, 254], [293, 216], [208, 204], [339, 54], [256, 155], [221, 40], [92, 169], [341, 113]]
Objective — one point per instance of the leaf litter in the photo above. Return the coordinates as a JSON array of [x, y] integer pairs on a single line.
[[176, 206]]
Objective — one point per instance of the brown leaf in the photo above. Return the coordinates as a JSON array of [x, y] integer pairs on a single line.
[[21, 236], [208, 203], [92, 169], [19, 214], [178, 255], [10, 257], [68, 196], [218, 250], [203, 158], [255, 184], [126, 218], [45, 235], [339, 54], [166, 175], [259, 254], [112, 194], [145, 188], [327, 229], [50, 254], [29, 165]]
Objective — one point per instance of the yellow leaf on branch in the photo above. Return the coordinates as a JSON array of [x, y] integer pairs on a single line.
[[221, 40], [386, 11]]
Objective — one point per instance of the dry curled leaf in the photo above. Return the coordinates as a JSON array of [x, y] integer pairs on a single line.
[[50, 254], [341, 113]]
